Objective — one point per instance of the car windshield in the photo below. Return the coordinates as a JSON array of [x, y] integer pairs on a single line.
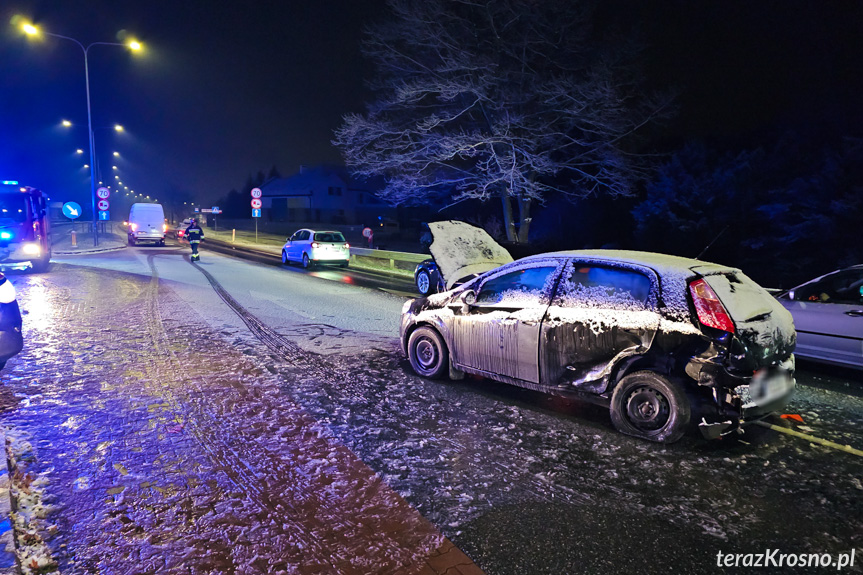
[[13, 207], [329, 237]]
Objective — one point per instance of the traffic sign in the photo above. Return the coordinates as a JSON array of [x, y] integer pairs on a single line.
[[216, 210], [367, 232], [257, 193], [206, 210], [103, 205], [256, 203], [71, 210], [104, 216], [256, 212], [103, 193]]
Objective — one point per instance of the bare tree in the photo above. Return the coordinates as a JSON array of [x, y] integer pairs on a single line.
[[508, 99]]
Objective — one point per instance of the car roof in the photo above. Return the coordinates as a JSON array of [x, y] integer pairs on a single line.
[[663, 264]]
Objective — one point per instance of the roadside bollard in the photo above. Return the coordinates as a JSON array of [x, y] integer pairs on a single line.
[[74, 239], [233, 235]]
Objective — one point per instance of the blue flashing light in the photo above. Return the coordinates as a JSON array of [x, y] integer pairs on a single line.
[[10, 182], [5, 235]]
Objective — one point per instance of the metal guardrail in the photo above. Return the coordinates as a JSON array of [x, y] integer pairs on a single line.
[[402, 262]]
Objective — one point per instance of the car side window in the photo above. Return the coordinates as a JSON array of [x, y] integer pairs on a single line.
[[843, 287], [520, 288], [603, 286], [304, 235]]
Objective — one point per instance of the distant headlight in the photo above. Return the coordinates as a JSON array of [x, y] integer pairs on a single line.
[[31, 249]]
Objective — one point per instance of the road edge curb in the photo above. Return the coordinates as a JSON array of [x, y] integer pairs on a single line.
[[8, 557]]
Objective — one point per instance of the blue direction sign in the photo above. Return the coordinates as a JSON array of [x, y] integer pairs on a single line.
[[71, 210], [104, 215], [256, 212]]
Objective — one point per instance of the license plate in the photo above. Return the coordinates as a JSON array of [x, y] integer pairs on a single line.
[[768, 385]]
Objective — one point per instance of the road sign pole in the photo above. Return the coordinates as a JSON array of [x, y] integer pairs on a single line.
[[256, 230]]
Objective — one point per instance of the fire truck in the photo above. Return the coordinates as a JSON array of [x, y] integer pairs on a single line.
[[25, 240]]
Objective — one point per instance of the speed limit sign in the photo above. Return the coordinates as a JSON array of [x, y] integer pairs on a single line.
[[256, 193], [103, 193]]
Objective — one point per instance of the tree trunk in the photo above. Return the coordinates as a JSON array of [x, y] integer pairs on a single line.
[[508, 221], [524, 220]]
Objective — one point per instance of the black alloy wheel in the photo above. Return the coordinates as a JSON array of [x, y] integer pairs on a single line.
[[427, 353], [648, 405], [285, 261]]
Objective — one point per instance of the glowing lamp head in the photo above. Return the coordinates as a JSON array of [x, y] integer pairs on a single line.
[[30, 29]]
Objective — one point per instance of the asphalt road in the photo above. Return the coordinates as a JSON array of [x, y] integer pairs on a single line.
[[192, 378]]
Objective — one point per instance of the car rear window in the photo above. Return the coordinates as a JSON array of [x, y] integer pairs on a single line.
[[601, 286], [329, 237]]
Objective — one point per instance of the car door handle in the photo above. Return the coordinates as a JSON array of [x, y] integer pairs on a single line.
[[855, 312]]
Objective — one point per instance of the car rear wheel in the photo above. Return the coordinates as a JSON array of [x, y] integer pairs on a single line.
[[307, 263], [285, 261], [648, 405], [427, 353], [424, 283]]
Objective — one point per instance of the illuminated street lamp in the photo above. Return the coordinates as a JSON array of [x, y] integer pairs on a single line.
[[31, 30]]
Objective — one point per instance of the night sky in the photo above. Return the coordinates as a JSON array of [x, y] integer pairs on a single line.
[[225, 89]]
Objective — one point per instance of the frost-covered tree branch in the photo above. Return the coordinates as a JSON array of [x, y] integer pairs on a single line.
[[506, 99]]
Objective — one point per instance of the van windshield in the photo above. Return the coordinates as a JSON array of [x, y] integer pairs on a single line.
[[13, 208]]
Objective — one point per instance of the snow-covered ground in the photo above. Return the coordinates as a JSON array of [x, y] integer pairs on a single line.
[[200, 444]]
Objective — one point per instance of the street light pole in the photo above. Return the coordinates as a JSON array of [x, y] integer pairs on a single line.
[[92, 147], [32, 30]]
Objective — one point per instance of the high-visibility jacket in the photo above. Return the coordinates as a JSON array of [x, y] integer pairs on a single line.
[[194, 234]]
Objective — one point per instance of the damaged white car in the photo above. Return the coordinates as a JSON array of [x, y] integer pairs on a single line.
[[655, 338]]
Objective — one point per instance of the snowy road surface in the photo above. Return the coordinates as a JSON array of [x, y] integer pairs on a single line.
[[239, 418]]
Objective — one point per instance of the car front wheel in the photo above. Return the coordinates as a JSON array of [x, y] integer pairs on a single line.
[[648, 405], [285, 258], [427, 353]]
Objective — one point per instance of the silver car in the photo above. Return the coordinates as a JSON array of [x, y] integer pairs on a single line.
[[310, 247], [828, 315], [657, 339]]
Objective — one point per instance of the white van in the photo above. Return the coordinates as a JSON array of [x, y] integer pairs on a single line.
[[147, 224]]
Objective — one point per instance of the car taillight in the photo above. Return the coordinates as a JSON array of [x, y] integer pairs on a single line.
[[316, 245], [710, 310], [347, 246], [164, 227]]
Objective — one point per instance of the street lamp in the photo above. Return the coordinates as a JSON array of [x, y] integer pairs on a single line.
[[31, 30]]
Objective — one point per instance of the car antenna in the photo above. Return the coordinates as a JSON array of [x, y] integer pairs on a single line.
[[707, 247]]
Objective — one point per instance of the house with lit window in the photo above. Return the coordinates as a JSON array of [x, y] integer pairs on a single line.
[[322, 195]]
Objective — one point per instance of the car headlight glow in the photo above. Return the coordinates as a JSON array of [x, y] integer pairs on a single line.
[[31, 249]]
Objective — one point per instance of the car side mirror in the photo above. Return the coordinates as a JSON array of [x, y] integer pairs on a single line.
[[791, 295], [468, 297]]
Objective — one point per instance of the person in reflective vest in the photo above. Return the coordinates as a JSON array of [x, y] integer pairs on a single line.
[[195, 235]]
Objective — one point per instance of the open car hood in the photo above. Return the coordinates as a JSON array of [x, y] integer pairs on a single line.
[[461, 250]]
